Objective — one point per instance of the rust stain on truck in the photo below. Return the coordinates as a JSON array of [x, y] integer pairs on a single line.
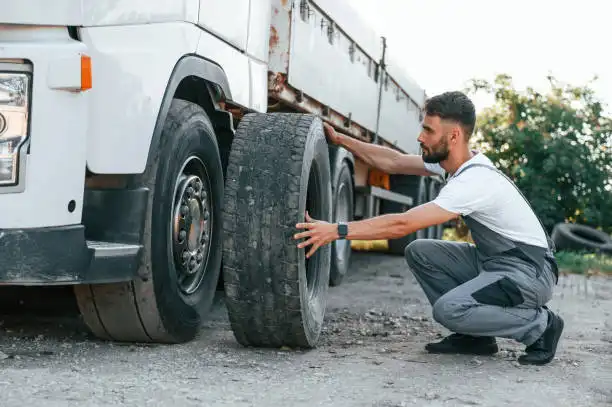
[[280, 37], [273, 37]]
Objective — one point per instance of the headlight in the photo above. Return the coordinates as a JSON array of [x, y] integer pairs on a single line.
[[14, 110]]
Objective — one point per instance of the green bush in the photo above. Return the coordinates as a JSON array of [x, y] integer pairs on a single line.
[[584, 262], [557, 147]]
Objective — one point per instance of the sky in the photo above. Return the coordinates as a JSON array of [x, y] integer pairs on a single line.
[[444, 43]]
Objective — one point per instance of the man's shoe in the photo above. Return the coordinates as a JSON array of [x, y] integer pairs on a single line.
[[464, 344], [543, 350]]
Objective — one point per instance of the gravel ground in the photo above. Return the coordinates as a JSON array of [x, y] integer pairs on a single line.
[[371, 354]]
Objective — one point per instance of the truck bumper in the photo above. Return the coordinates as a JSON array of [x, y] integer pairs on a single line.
[[79, 254], [61, 255]]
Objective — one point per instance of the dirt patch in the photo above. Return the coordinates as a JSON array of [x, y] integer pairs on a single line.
[[370, 354]]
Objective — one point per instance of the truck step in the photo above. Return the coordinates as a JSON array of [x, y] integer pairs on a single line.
[[108, 249], [386, 195]]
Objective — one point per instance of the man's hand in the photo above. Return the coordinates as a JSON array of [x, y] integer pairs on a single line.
[[331, 134], [319, 233]]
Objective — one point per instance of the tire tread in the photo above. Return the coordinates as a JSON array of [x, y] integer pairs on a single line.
[[261, 273]]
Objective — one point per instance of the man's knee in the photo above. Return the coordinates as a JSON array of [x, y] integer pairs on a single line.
[[451, 312], [418, 253]]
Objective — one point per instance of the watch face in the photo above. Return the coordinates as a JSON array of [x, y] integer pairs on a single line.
[[342, 229]]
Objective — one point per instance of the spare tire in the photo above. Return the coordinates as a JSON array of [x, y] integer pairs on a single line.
[[278, 169], [576, 237]]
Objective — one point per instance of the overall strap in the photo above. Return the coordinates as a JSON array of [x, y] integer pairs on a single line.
[[551, 244]]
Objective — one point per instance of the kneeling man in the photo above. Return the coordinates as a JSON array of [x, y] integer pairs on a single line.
[[497, 287]]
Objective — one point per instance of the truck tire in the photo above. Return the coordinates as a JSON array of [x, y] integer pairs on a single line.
[[576, 237], [422, 196], [182, 241], [278, 169], [434, 232], [416, 187], [343, 204]]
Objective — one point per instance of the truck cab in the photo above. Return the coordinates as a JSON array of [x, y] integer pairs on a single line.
[[148, 149]]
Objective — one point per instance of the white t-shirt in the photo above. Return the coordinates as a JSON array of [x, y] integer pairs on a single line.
[[490, 199]]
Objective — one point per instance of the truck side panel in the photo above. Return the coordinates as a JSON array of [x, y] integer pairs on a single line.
[[346, 17], [54, 173], [119, 12], [259, 85], [128, 62], [399, 117], [62, 12], [234, 63], [228, 21], [96, 13], [322, 62], [321, 65], [401, 77], [259, 29]]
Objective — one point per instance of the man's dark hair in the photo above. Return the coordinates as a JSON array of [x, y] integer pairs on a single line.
[[454, 106]]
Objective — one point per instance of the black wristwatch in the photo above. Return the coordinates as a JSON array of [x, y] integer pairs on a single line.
[[342, 230]]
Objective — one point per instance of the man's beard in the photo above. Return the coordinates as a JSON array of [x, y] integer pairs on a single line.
[[436, 153]]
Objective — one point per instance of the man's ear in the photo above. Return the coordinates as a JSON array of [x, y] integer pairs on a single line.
[[455, 134]]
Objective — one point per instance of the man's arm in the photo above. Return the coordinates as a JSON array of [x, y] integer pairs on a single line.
[[389, 226], [380, 157], [396, 225]]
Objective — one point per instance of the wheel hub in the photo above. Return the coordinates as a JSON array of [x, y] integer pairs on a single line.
[[191, 230]]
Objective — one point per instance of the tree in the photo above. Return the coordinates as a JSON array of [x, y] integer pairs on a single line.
[[557, 148]]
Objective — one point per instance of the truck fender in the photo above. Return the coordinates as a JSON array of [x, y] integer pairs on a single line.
[[188, 65]]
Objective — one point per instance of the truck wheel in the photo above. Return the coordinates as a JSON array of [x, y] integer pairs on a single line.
[[422, 196], [434, 232], [343, 212], [278, 169], [182, 241], [576, 237], [415, 187]]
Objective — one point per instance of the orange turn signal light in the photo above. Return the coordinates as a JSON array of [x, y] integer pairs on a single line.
[[86, 79]]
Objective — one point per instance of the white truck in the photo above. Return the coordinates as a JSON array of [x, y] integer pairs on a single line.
[[153, 151]]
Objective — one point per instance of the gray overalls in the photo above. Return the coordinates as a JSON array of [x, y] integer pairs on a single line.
[[496, 287]]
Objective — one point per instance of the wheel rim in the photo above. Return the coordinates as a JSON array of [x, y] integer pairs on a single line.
[[191, 225], [342, 215]]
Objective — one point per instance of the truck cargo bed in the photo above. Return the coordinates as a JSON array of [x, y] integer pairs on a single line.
[[325, 60]]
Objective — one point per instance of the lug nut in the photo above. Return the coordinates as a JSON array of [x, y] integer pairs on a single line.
[[190, 192], [204, 195], [186, 256], [206, 215], [199, 257], [182, 235], [184, 210]]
